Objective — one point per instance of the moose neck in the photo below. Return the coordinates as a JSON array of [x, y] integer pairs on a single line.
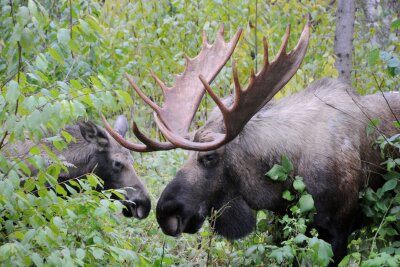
[[298, 127], [79, 155]]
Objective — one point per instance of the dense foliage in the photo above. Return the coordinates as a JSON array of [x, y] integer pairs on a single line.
[[61, 61]]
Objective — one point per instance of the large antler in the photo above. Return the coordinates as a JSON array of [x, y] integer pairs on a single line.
[[261, 88], [181, 101]]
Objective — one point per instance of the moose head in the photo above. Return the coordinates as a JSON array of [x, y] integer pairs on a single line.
[[183, 206]]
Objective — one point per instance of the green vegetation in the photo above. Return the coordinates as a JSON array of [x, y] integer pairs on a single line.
[[61, 61]]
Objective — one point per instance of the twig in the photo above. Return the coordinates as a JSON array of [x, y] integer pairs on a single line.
[[384, 97], [212, 224], [255, 39], [380, 226], [70, 24], [366, 115], [2, 139], [163, 253]]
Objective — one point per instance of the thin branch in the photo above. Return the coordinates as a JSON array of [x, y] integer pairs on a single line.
[[2, 139], [384, 97], [380, 226], [70, 24], [255, 38], [366, 115]]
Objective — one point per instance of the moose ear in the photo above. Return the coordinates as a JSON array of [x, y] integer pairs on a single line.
[[94, 134], [121, 125]]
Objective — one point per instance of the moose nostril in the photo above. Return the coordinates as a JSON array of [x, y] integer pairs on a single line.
[[140, 212], [172, 226], [138, 208], [142, 208]]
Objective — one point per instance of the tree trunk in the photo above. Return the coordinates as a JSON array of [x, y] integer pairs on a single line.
[[343, 46], [370, 8], [379, 15]]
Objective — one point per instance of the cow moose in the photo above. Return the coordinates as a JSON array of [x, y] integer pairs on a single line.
[[95, 151], [321, 129]]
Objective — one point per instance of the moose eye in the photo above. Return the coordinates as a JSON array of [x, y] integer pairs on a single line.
[[209, 160], [117, 165]]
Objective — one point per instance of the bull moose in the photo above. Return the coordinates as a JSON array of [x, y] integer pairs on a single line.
[[321, 129], [96, 152]]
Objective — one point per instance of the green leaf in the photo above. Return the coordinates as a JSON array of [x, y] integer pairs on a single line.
[[24, 168], [97, 253], [60, 190], [12, 92], [389, 185], [56, 56], [27, 39], [287, 195], [306, 203], [384, 55], [287, 164], [63, 36], [68, 137], [373, 57], [58, 222], [85, 26], [281, 254], [393, 63], [16, 34], [281, 172], [94, 23], [250, 250], [323, 249], [372, 124], [395, 24], [299, 185], [37, 259], [2, 102], [34, 150], [96, 82], [23, 15], [80, 253], [277, 173], [76, 84], [34, 120], [32, 7], [300, 238], [42, 64], [127, 98]]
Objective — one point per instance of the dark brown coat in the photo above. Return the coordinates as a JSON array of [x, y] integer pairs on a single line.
[[322, 130], [95, 151]]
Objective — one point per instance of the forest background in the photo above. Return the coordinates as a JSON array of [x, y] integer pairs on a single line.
[[63, 61]]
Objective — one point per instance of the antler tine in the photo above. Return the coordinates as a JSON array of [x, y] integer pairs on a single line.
[[148, 144], [151, 144], [265, 44], [238, 88], [187, 58], [183, 143], [216, 99], [221, 30], [159, 82], [284, 44], [142, 95], [122, 141], [205, 43]]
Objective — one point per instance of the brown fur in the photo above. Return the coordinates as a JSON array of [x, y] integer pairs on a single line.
[[322, 130]]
